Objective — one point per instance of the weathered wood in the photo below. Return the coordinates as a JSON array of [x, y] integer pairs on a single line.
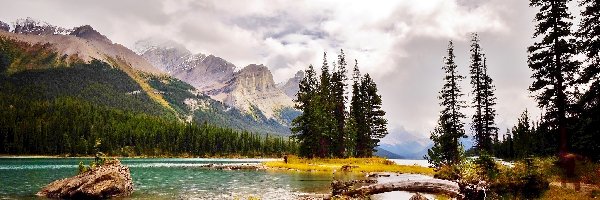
[[435, 186]]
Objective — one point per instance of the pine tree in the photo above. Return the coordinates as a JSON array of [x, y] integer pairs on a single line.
[[304, 128], [325, 107], [446, 149], [374, 116], [552, 63], [483, 141], [587, 129], [483, 99], [489, 101], [357, 114], [338, 92], [589, 42], [522, 136]]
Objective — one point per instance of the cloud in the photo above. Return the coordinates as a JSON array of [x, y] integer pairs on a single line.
[[400, 43]]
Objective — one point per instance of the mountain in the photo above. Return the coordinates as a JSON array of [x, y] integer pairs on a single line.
[[88, 33], [386, 154], [39, 62], [35, 27], [291, 86], [411, 149], [251, 89], [86, 44], [205, 72]]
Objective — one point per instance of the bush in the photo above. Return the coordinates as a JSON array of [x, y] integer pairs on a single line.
[[521, 180], [448, 172]]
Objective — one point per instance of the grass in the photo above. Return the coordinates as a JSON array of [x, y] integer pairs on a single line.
[[374, 164]]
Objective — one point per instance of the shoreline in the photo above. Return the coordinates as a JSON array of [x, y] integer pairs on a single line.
[[149, 157]]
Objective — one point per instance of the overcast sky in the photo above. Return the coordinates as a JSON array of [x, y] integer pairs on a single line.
[[400, 43]]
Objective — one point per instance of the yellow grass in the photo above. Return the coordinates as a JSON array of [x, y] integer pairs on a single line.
[[374, 164]]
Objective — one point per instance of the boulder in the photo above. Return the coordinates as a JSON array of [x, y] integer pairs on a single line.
[[418, 196], [109, 180]]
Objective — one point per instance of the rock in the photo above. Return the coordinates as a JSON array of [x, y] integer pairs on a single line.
[[109, 180], [291, 87], [35, 27], [4, 26], [87, 32], [418, 196], [251, 89]]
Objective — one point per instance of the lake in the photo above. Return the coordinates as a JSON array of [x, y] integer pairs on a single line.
[[174, 178]]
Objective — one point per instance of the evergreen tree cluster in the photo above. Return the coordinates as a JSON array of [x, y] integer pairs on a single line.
[[326, 127], [53, 105], [71, 126], [447, 149], [483, 100], [567, 88]]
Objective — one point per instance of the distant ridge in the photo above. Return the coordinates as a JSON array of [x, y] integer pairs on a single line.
[[386, 154]]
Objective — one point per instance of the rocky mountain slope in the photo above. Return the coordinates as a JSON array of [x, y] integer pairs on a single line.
[[82, 42], [205, 72], [83, 63], [291, 86], [253, 87], [250, 89]]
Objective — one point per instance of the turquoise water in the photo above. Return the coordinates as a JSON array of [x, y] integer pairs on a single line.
[[21, 178]]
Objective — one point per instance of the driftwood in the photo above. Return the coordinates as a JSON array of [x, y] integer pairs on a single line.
[[426, 186]]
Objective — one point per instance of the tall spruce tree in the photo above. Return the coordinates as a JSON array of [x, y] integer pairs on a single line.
[[489, 102], [588, 127], [357, 114], [304, 126], [326, 120], [482, 139], [589, 41], [551, 59], [374, 116], [338, 94], [446, 148]]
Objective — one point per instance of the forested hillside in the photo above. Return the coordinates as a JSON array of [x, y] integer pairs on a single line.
[[54, 104]]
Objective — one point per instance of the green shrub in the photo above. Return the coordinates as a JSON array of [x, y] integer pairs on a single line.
[[520, 181], [487, 168], [82, 168], [448, 172]]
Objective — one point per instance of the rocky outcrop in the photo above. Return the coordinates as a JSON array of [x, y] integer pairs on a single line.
[[4, 26], [291, 87], [418, 196], [253, 87], [204, 72], [248, 89], [31, 26], [87, 32], [109, 180]]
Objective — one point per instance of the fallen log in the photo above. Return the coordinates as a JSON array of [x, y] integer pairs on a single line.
[[435, 186]]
